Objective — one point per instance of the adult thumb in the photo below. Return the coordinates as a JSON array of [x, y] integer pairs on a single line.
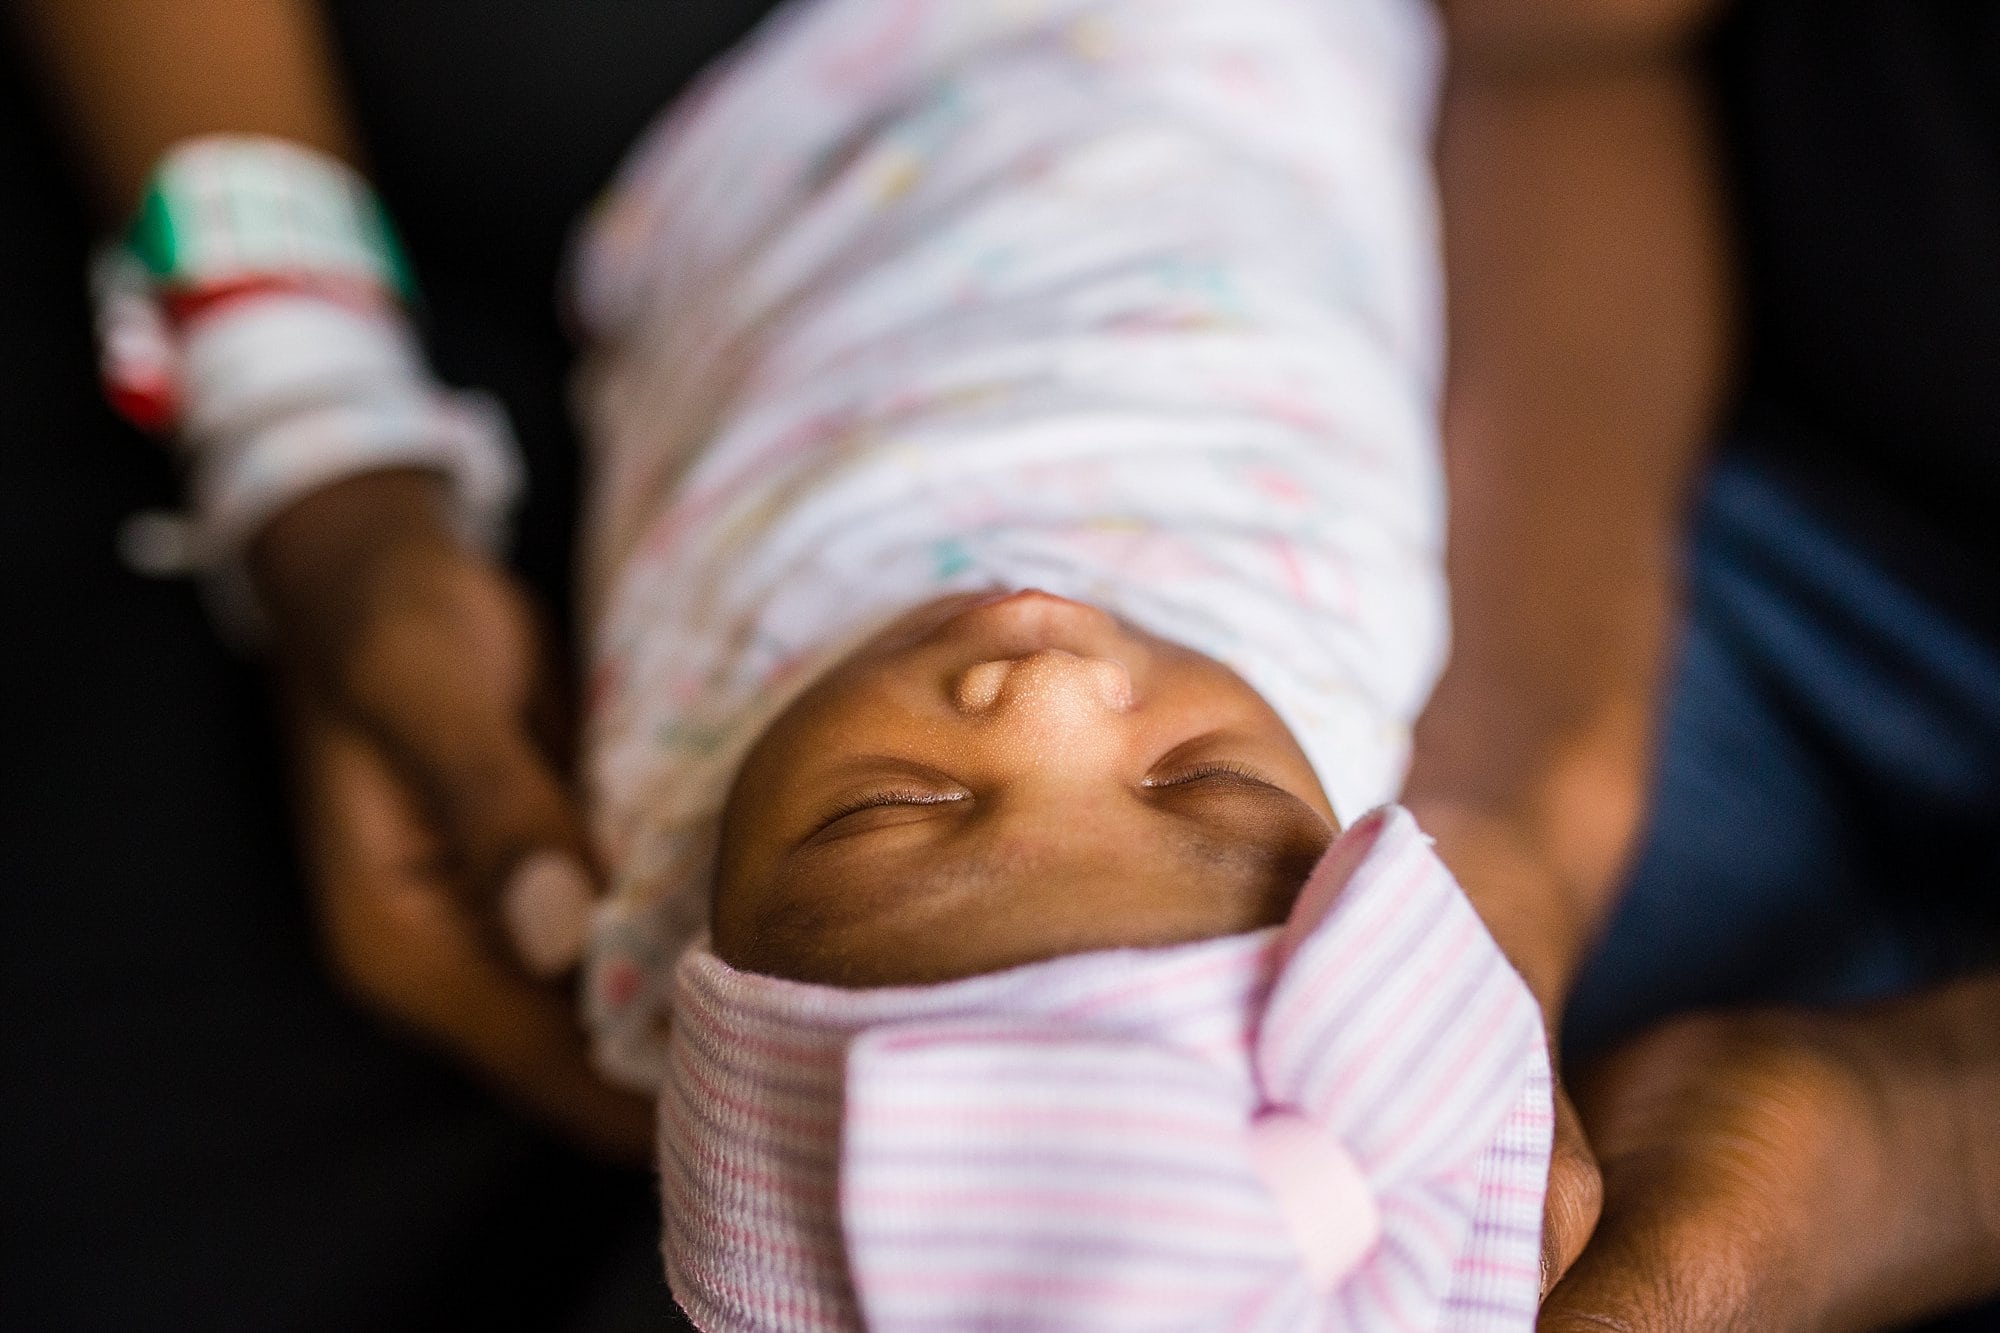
[[508, 826], [1575, 1196], [544, 909]]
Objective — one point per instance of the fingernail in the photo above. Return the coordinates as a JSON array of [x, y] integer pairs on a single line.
[[546, 909]]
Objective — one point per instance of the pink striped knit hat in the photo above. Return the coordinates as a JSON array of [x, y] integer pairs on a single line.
[[1342, 1123]]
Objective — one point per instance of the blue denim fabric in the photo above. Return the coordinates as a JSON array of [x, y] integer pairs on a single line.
[[1826, 821]]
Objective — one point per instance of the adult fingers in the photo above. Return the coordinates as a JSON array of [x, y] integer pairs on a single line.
[[446, 682], [508, 826], [411, 948]]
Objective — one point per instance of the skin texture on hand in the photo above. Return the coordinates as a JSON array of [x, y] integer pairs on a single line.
[[419, 706], [1791, 1170], [1733, 1153]]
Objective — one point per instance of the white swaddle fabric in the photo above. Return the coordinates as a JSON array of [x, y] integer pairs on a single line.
[[1135, 301]]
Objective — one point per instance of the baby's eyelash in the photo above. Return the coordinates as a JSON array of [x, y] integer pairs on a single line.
[[1213, 769], [875, 800]]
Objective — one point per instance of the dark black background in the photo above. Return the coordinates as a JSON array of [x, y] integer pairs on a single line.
[[196, 1131]]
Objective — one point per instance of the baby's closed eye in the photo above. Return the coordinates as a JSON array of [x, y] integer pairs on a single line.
[[879, 800]]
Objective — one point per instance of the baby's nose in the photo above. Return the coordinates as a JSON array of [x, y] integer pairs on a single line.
[[1049, 684]]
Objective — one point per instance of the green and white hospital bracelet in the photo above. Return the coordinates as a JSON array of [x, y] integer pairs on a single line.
[[255, 315]]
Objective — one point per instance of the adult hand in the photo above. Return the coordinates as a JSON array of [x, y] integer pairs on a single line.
[[1770, 1171], [451, 872]]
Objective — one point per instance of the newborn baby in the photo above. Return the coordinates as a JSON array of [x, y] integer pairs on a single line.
[[1014, 553], [998, 778], [1131, 302]]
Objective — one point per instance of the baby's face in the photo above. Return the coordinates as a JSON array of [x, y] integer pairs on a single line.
[[1000, 778]]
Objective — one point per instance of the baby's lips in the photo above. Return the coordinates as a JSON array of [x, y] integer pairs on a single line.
[[546, 910]]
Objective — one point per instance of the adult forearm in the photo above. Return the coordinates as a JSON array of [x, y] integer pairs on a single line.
[[1589, 308], [136, 76]]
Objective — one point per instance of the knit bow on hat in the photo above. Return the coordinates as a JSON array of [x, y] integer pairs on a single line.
[[1343, 1125]]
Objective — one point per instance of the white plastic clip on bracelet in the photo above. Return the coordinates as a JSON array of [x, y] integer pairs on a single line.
[[285, 394]]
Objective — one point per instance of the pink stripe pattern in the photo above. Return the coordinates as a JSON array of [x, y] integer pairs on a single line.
[[1343, 1123]]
